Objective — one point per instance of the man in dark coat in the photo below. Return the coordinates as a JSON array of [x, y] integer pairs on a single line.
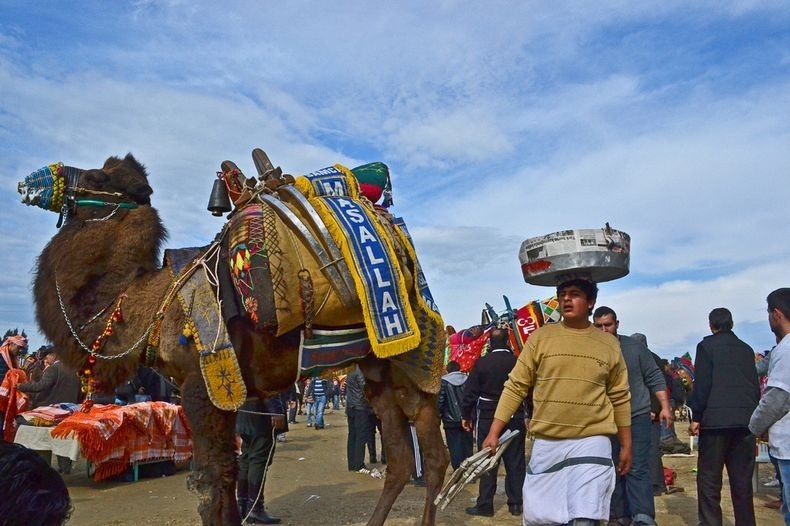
[[58, 384], [726, 392], [358, 415], [257, 423], [460, 442], [481, 394]]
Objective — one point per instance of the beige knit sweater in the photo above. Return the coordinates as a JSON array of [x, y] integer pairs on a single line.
[[580, 383]]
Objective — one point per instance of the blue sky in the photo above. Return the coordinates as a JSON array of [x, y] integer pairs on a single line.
[[499, 121]]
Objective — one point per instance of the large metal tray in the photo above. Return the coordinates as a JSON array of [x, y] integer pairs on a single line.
[[601, 254]]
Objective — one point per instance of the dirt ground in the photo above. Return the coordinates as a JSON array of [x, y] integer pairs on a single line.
[[309, 484]]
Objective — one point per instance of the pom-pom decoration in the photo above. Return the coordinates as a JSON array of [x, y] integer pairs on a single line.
[[373, 179]]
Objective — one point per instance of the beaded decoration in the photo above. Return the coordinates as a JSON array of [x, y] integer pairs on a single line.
[[87, 382]]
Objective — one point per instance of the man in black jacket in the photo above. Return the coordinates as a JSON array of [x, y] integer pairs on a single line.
[[481, 394], [358, 414], [460, 442], [726, 392]]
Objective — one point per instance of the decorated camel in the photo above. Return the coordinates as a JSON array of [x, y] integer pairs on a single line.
[[301, 266]]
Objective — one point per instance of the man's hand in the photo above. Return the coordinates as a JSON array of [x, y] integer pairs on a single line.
[[666, 417], [278, 422], [491, 442], [694, 429], [624, 462], [468, 425]]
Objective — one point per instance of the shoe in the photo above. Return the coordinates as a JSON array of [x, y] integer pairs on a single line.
[[309, 425], [419, 482], [675, 489], [515, 509], [262, 517], [319, 427], [771, 484], [474, 510], [773, 504]]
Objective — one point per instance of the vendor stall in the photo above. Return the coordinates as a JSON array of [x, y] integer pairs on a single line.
[[114, 438]]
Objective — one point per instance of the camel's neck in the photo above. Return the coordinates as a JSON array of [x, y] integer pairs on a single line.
[[87, 265]]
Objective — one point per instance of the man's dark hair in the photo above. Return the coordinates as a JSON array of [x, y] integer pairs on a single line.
[[780, 299], [32, 492], [499, 339], [603, 310], [589, 288], [720, 319], [453, 366]]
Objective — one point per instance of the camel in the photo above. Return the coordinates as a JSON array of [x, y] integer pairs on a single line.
[[102, 293]]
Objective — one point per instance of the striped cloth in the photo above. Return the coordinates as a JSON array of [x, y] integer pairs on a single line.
[[113, 437]]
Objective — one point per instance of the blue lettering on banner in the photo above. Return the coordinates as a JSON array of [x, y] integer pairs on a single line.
[[329, 181], [376, 269]]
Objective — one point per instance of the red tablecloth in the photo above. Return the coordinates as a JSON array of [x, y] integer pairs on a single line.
[[113, 437]]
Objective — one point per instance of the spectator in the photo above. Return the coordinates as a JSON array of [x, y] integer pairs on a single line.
[[57, 384], [293, 402], [309, 404], [771, 415], [335, 393], [318, 392], [358, 414], [256, 424], [9, 353], [726, 393], [482, 391], [148, 385], [460, 442], [632, 499], [32, 493]]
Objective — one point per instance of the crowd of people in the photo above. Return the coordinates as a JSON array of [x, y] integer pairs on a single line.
[[594, 404], [597, 406]]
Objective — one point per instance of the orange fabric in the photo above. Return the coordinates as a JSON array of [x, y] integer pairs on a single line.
[[113, 437], [12, 401]]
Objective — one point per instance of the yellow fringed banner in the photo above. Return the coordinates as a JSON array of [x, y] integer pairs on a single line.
[[368, 250]]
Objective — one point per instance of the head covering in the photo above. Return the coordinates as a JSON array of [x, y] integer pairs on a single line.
[[11, 360]]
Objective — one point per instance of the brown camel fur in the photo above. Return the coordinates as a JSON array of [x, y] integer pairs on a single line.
[[90, 263]]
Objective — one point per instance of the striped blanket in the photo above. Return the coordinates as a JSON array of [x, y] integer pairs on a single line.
[[113, 437]]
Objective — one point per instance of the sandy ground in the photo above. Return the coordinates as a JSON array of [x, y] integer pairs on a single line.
[[309, 484]]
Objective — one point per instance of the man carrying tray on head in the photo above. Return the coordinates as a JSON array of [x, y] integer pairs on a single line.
[[581, 397]]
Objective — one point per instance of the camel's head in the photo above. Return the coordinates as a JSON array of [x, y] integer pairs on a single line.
[[120, 183]]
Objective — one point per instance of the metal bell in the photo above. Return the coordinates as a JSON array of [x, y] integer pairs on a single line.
[[219, 202]]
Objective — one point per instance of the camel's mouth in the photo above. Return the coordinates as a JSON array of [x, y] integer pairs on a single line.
[[47, 186], [44, 188]]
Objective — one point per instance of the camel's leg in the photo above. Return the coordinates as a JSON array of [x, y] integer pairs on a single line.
[[214, 472], [396, 436], [434, 452]]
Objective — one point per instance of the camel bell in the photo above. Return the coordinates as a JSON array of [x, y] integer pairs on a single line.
[[219, 202]]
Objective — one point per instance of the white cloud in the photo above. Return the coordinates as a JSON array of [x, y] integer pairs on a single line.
[[498, 121]]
